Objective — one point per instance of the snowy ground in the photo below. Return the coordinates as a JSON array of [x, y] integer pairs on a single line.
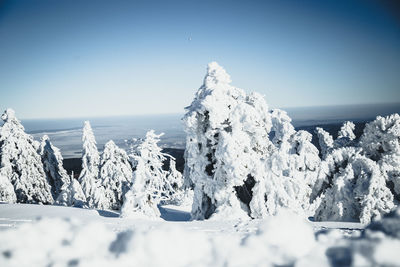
[[37, 235], [13, 215]]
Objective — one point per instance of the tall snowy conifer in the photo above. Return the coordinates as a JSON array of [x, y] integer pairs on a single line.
[[88, 177], [115, 175], [53, 166], [21, 163], [227, 140]]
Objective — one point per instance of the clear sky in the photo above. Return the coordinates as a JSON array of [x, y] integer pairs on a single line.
[[98, 58]]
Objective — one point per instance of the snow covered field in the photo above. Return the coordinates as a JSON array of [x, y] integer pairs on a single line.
[[38, 235]]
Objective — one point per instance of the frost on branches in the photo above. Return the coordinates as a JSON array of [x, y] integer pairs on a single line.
[[115, 175], [235, 169], [21, 163], [150, 181], [88, 178], [356, 188], [65, 189]]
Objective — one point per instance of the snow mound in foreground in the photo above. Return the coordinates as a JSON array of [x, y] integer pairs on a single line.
[[285, 239]]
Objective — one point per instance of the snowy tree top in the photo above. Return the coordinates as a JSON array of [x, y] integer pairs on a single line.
[[347, 130], [153, 135], [216, 75], [88, 132], [9, 114]]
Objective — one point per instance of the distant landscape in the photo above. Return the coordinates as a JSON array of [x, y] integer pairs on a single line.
[[67, 133]]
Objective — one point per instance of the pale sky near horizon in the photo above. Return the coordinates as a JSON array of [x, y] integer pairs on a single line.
[[105, 58]]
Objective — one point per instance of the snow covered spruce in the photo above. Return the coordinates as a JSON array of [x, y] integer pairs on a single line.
[[234, 167], [21, 164]]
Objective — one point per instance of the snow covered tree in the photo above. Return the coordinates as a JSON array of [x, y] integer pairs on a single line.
[[7, 193], [21, 163], [71, 194], [88, 177], [346, 135], [149, 179], [174, 188], [227, 136], [290, 171], [357, 190], [235, 169], [347, 131], [345, 138], [380, 141], [381, 137], [53, 166], [325, 141], [115, 175], [65, 189]]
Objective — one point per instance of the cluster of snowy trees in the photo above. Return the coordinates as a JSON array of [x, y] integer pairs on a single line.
[[33, 172], [244, 160]]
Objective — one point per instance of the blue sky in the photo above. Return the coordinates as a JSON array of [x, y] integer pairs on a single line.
[[105, 58]]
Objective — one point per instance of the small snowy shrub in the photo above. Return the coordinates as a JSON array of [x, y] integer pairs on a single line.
[[151, 184]]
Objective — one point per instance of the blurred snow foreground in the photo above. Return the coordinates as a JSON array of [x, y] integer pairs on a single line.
[[282, 240]]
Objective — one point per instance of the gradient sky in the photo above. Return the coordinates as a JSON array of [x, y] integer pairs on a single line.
[[104, 58]]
